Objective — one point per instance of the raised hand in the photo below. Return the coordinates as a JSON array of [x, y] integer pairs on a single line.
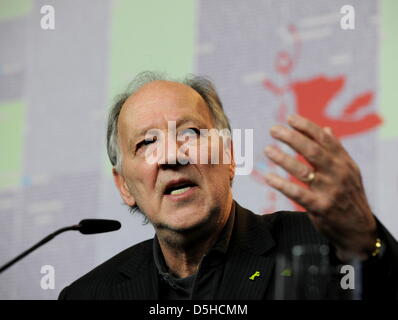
[[335, 197]]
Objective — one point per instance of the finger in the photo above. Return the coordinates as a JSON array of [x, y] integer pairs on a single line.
[[289, 163], [304, 197], [315, 132], [308, 148], [338, 145]]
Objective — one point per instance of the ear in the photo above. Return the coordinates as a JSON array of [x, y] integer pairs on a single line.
[[124, 191], [232, 165]]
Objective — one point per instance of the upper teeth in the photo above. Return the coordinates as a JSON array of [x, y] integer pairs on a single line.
[[179, 191]]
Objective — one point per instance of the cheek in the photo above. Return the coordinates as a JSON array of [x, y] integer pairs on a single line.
[[141, 178], [216, 178], [211, 150], [220, 152]]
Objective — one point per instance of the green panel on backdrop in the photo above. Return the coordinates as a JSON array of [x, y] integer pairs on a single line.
[[11, 143], [150, 35], [14, 8], [389, 68]]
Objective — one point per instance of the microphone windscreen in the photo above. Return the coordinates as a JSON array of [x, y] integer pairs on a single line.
[[91, 226]]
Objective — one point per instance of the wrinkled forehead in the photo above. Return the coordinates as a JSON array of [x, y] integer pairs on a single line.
[[160, 101]]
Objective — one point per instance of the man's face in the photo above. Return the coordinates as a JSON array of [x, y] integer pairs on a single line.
[[175, 198]]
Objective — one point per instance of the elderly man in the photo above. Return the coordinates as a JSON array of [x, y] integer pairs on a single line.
[[206, 246]]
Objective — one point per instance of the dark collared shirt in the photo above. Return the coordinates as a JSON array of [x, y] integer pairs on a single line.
[[202, 285]]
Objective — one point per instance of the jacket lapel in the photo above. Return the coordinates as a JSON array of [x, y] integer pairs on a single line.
[[141, 280], [250, 260]]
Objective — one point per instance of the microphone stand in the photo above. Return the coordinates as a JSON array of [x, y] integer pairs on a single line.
[[37, 245]]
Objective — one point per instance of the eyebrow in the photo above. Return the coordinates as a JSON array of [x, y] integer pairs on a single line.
[[179, 123]]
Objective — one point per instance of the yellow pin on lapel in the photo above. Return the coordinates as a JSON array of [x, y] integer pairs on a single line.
[[287, 273], [255, 275]]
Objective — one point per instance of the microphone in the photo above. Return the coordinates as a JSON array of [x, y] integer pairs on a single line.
[[91, 226], [86, 226]]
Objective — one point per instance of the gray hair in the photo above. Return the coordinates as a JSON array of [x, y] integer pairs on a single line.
[[201, 85]]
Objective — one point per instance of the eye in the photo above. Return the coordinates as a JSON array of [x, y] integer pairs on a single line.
[[146, 142], [189, 132]]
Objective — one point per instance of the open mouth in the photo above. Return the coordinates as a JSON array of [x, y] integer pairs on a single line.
[[179, 187]]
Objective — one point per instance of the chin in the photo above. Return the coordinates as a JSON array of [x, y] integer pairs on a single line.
[[187, 224]]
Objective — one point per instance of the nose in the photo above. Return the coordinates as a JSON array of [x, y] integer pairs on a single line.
[[173, 157]]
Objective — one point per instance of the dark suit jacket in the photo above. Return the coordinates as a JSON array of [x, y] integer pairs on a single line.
[[255, 241]]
